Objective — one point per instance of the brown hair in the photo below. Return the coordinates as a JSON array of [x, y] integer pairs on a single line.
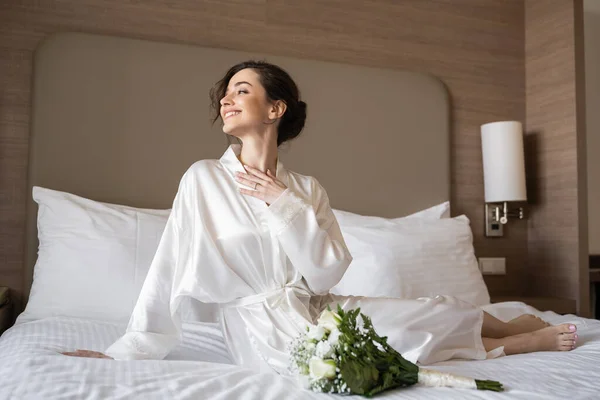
[[279, 85]]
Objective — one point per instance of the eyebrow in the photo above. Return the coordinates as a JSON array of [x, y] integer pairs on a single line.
[[238, 84], [241, 83]]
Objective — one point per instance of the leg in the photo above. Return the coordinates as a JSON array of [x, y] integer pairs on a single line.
[[496, 329], [553, 338]]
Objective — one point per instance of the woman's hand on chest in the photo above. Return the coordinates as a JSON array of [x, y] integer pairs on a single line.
[[266, 186]]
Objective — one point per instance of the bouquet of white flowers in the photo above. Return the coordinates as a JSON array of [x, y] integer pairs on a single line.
[[343, 354]]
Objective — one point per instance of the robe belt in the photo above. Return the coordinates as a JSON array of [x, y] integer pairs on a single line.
[[272, 297]]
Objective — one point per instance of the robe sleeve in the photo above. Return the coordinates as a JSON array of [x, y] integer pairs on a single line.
[[154, 327], [310, 236]]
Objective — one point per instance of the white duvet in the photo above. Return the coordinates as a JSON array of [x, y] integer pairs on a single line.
[[32, 367]]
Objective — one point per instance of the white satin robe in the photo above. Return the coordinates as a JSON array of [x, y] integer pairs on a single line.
[[268, 270]]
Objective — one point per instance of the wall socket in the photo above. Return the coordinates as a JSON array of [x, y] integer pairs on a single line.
[[492, 266]]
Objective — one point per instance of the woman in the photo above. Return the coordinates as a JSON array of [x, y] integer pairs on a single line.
[[262, 242]]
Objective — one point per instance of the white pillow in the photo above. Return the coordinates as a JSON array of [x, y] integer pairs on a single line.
[[93, 257], [439, 211], [413, 258]]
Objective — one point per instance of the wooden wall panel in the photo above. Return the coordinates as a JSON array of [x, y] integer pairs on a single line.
[[592, 83], [555, 115], [474, 46]]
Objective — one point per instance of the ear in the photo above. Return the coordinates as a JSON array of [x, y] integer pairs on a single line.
[[277, 109]]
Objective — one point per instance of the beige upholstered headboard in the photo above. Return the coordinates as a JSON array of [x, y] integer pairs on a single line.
[[119, 120]]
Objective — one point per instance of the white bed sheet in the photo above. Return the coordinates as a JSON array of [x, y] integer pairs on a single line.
[[32, 367]]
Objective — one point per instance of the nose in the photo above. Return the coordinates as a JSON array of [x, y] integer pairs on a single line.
[[225, 101]]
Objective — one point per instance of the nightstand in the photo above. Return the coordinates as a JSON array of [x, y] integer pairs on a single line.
[[558, 305], [5, 310]]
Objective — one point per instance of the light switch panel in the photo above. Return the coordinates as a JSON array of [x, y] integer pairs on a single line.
[[493, 228], [492, 265]]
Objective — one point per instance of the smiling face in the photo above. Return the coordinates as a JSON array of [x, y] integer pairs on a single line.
[[245, 107], [259, 100]]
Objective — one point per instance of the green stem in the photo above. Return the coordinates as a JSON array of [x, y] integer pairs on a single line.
[[489, 385]]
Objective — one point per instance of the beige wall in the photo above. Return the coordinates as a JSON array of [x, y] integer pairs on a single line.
[[592, 81]]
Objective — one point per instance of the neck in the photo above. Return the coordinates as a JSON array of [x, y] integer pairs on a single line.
[[259, 154]]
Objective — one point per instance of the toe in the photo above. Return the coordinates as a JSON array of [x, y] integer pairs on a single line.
[[569, 336], [565, 347], [567, 328]]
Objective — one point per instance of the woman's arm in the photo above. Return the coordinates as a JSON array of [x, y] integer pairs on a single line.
[[311, 237], [154, 328]]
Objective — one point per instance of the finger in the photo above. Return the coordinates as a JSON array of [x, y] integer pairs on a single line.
[[275, 180], [255, 180], [256, 172], [248, 180], [252, 178], [86, 353], [252, 193]]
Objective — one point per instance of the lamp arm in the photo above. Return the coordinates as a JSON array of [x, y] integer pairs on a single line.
[[502, 213]]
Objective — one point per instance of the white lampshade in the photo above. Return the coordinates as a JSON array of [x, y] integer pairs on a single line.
[[503, 161]]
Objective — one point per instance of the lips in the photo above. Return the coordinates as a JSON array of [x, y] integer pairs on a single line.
[[231, 113]]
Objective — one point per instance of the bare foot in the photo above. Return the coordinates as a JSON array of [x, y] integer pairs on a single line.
[[553, 338], [528, 323]]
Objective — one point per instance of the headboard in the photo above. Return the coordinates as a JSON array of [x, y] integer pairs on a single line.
[[119, 120]]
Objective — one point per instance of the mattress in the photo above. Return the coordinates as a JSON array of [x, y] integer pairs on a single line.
[[32, 367]]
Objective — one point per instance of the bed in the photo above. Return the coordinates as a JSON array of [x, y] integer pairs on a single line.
[[117, 121], [33, 369]]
